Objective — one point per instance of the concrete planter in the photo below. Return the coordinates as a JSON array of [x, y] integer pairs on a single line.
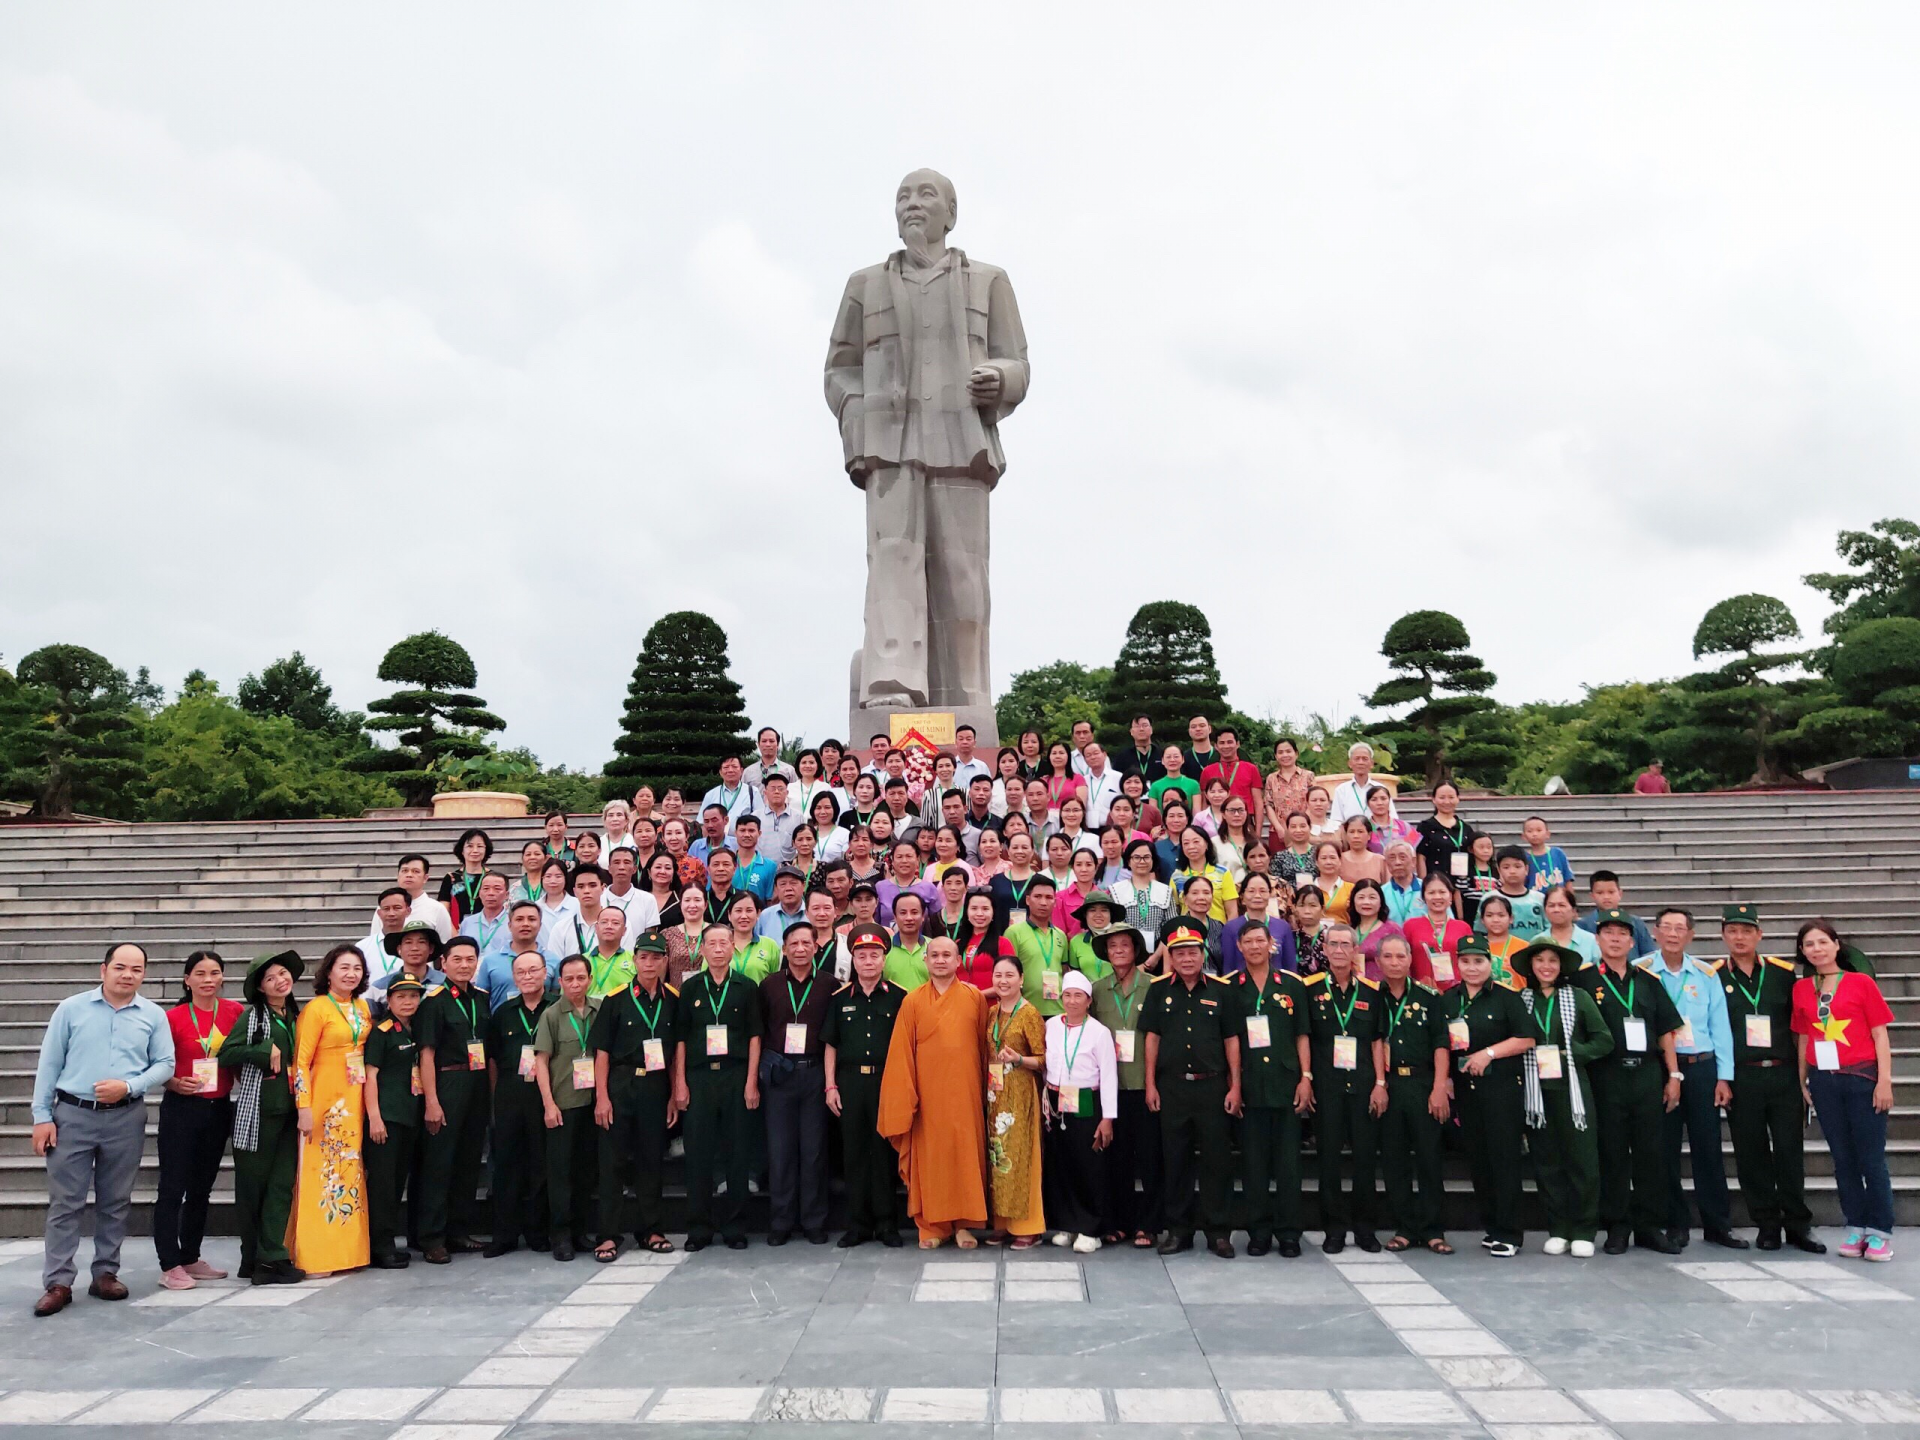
[[479, 805]]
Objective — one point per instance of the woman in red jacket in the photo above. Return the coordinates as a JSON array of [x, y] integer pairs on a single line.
[[981, 941], [196, 1117], [1436, 935]]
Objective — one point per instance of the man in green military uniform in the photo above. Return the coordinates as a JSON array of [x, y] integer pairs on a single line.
[[1767, 1114], [1632, 1088], [1194, 1033], [1343, 1017], [718, 1087], [1413, 1058], [1274, 1091], [266, 1134], [393, 1118], [858, 1031], [1136, 1192], [635, 1039], [518, 1179], [452, 1035], [565, 1075]]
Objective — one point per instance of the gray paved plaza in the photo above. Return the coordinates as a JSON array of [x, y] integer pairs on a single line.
[[823, 1341]]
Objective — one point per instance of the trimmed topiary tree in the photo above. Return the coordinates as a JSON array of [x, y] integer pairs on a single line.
[[437, 721], [684, 715], [69, 732], [1165, 671], [1454, 724]]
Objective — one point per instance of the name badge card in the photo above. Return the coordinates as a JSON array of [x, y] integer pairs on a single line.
[[796, 1039], [653, 1055], [476, 1055], [206, 1073], [1346, 1052], [1442, 964], [716, 1039], [1259, 1032], [1826, 1054], [1457, 1036], [413, 1081], [1684, 1035], [583, 1074], [356, 1067], [526, 1063], [1457, 864], [1549, 1058], [1123, 1042], [1636, 1034], [996, 1074], [1069, 1099], [1049, 985], [1760, 1032], [1017, 915]]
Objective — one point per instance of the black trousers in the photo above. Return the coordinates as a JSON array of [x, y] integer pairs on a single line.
[[1410, 1155], [1769, 1123], [1137, 1194], [872, 1164], [1340, 1119], [517, 1179], [1196, 1142], [796, 1114], [1697, 1120], [719, 1133], [193, 1137], [635, 1145], [389, 1167], [1270, 1173], [1633, 1153], [1493, 1111], [572, 1150], [450, 1164], [1074, 1185]]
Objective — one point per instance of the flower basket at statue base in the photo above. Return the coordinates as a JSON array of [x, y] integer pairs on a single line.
[[479, 805]]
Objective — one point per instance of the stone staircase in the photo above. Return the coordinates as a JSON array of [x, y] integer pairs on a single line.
[[66, 891]]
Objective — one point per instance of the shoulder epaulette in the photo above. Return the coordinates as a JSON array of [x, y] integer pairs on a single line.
[[1713, 965], [1786, 965], [435, 989], [673, 991], [1218, 979], [1370, 984], [1156, 979], [1314, 979], [1646, 962], [844, 988], [1427, 986], [384, 1025]]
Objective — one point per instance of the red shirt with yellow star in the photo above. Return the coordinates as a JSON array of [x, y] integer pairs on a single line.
[[1855, 1007]]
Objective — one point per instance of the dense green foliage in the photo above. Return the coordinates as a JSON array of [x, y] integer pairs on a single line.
[[1454, 727], [1051, 699], [1165, 671], [684, 714], [68, 723], [439, 724]]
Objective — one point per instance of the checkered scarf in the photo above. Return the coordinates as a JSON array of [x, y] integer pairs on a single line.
[[1536, 1100], [246, 1086]]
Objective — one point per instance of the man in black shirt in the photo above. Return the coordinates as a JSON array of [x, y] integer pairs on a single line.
[[518, 1179], [1142, 757], [718, 1086], [453, 1073], [636, 1040], [794, 1003]]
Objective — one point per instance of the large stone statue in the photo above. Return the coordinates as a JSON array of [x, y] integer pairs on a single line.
[[927, 357]]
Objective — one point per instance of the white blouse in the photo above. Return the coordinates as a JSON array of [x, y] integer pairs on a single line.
[[1095, 1062]]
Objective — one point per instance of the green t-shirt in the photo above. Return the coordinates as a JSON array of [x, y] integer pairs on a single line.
[[907, 968], [1157, 791], [757, 960], [1042, 954]]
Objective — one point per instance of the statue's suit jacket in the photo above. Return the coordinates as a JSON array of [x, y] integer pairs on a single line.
[[868, 362]]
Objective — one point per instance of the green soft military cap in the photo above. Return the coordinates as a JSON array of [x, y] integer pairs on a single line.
[[1473, 945], [650, 942], [1185, 932], [403, 983], [1741, 914], [868, 935], [1604, 918], [1099, 895], [288, 959], [1102, 937], [1522, 963], [391, 943]]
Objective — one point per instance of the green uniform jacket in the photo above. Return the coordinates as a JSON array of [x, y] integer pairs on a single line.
[[1194, 1024], [562, 1037], [1495, 1014], [859, 1027], [625, 1022], [394, 1052], [734, 1004], [449, 1019], [1635, 994], [1767, 993], [510, 1037], [276, 1091], [1592, 1038], [1269, 1072], [1333, 1012], [1120, 1013], [1413, 1027]]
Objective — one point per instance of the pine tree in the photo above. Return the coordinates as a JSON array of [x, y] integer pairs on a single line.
[[684, 713], [1166, 671], [1728, 720], [1454, 724], [438, 721], [68, 732], [294, 688]]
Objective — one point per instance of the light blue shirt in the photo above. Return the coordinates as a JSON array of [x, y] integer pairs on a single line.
[[1700, 998], [491, 935], [495, 975], [1528, 916], [757, 877], [1403, 904], [88, 1040], [774, 923]]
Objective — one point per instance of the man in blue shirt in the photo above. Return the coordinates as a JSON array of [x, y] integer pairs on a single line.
[[789, 887], [751, 870], [102, 1052], [1703, 1049], [487, 926], [495, 975], [713, 834], [1607, 894]]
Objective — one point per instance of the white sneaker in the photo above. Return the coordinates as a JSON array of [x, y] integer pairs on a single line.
[[1581, 1249], [1063, 1238], [1086, 1245], [1556, 1246]]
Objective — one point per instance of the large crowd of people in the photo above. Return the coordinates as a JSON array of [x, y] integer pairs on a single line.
[[1054, 993]]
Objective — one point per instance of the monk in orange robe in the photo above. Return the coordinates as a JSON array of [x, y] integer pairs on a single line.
[[933, 1102]]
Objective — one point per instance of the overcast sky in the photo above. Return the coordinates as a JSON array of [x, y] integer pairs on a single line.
[[510, 320]]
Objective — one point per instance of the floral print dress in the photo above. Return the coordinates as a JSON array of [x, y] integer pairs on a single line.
[[1013, 1118], [328, 1231]]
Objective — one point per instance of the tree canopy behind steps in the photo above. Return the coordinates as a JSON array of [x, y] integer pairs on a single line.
[[684, 713], [1453, 725], [68, 731], [1165, 671], [437, 720]]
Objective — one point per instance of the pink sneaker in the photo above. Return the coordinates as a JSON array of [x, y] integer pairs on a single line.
[[177, 1279], [1854, 1246], [200, 1270], [1879, 1247]]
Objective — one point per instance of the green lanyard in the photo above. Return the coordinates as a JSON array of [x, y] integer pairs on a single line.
[[525, 1023], [1079, 1037], [1053, 943], [530, 889], [354, 1022], [486, 935], [1260, 996], [1396, 1011], [472, 1017], [470, 892], [1759, 984], [719, 1005], [1626, 1004], [805, 995], [276, 1021], [1125, 1003], [579, 1030], [1546, 1028], [998, 1018], [205, 1040], [601, 972], [1347, 1014], [652, 1022]]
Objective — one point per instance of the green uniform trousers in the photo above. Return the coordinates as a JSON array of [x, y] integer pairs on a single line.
[[1340, 1119], [1493, 1112], [388, 1166], [719, 1135], [1633, 1162], [1769, 1122], [571, 1152], [1410, 1154], [1270, 1173], [872, 1164], [1566, 1162], [517, 1177], [450, 1167], [1196, 1139], [634, 1146], [263, 1181]]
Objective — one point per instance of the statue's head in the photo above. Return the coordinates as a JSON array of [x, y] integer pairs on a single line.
[[925, 203]]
